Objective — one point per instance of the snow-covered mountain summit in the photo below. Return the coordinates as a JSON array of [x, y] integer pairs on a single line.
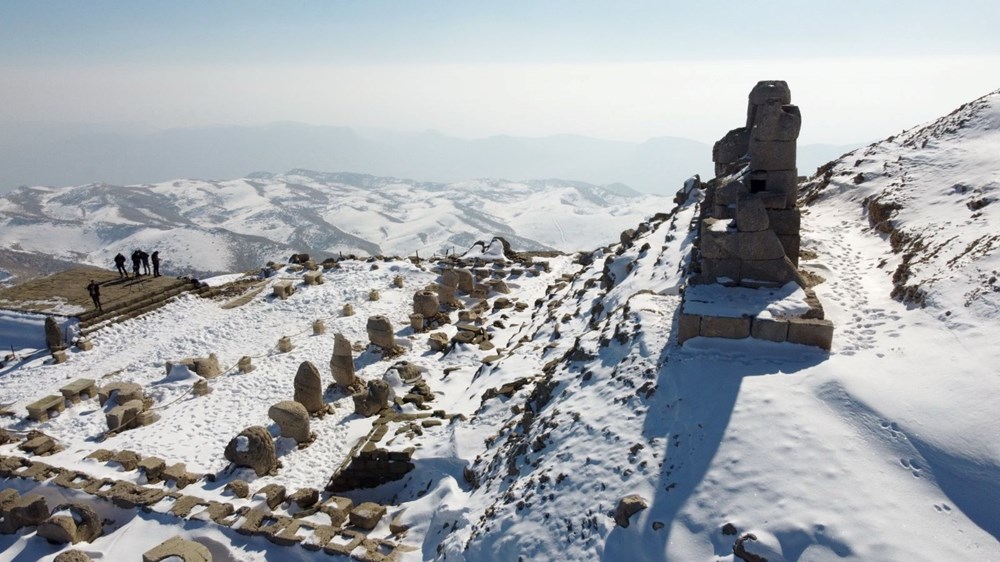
[[204, 226], [931, 190]]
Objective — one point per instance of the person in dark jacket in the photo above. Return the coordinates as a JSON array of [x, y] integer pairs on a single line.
[[156, 263], [144, 257], [135, 262], [120, 265], [95, 293]]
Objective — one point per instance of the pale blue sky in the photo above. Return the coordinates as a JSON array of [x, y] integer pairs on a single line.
[[626, 70]]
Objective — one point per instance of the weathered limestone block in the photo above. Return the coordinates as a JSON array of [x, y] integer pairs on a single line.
[[41, 409], [374, 295], [176, 547], [725, 327], [425, 303], [785, 222], [319, 327], [342, 363], [201, 388], [207, 367], [81, 524], [627, 507], [751, 215], [763, 245], [373, 400], [449, 278], [438, 341], [731, 147], [238, 488], [72, 556], [59, 356], [719, 269], [19, 512], [78, 389], [772, 155], [84, 345], [446, 295], [479, 291], [763, 92], [813, 332], [776, 121], [273, 494], [245, 364], [298, 258], [730, 193], [152, 468], [293, 420], [348, 309], [53, 335], [781, 188], [283, 289], [770, 329], [253, 448], [417, 322], [313, 278], [121, 391], [465, 280], [178, 473], [770, 272], [689, 326], [304, 498], [380, 332], [311, 265], [285, 344], [791, 244], [397, 281], [719, 245], [498, 286], [124, 416], [367, 515], [309, 388]]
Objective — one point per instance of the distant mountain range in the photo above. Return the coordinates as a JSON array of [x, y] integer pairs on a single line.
[[203, 227], [59, 154]]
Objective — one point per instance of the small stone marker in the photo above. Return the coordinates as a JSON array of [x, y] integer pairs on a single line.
[[285, 344], [201, 387], [59, 356], [319, 328], [292, 418], [374, 295], [84, 345], [245, 364], [342, 363], [348, 309], [309, 388]]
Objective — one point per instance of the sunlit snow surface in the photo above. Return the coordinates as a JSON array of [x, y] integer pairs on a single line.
[[884, 449]]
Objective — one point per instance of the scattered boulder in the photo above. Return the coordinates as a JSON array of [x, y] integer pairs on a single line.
[[293, 420], [425, 303], [367, 515], [274, 495], [627, 507], [71, 523], [380, 332], [438, 341], [465, 280], [373, 400], [238, 488], [342, 363], [309, 388], [304, 498], [177, 548], [53, 335], [17, 512], [253, 448]]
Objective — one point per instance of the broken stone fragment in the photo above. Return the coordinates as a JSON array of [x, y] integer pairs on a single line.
[[627, 507]]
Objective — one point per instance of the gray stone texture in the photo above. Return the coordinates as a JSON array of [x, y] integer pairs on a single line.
[[83, 525], [53, 335], [257, 453], [751, 216], [731, 147], [721, 268], [763, 245], [776, 122], [342, 363], [465, 280], [425, 303], [627, 507], [785, 222], [373, 400], [309, 388], [815, 332], [769, 272], [791, 244], [367, 515], [724, 327], [772, 155], [769, 329], [380, 332], [293, 420], [176, 547], [718, 245], [689, 326]]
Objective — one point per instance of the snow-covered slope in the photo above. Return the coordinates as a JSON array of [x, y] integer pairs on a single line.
[[219, 226], [884, 449]]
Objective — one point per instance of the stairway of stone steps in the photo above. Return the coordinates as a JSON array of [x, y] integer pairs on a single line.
[[126, 309]]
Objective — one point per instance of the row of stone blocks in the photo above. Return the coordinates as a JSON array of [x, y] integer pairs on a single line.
[[806, 331], [333, 539]]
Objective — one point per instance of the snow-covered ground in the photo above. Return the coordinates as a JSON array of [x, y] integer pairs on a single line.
[[886, 448]]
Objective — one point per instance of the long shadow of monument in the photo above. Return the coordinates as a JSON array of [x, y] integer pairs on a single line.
[[697, 389]]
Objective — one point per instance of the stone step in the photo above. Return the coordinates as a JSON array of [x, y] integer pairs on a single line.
[[129, 301], [137, 308]]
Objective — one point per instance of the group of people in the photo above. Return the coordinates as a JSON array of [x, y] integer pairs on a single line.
[[141, 260]]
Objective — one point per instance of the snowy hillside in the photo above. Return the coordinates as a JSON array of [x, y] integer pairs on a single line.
[[219, 226], [883, 449]]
